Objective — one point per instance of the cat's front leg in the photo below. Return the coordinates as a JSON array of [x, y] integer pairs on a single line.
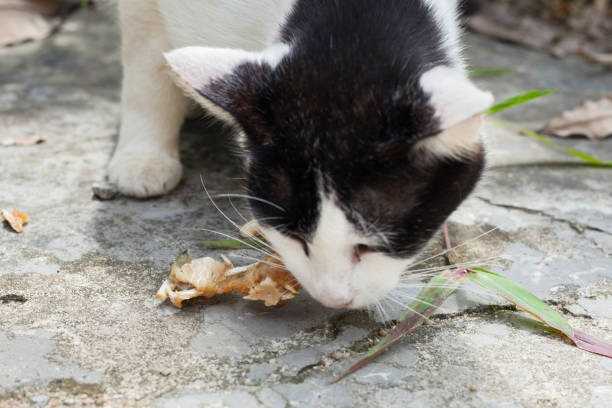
[[146, 161]]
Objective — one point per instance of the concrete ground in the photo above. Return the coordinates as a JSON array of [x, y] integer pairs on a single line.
[[83, 329]]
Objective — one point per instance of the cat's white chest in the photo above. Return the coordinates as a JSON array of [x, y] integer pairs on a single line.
[[247, 24]]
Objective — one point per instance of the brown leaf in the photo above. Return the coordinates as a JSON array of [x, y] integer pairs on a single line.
[[45, 7], [592, 119], [566, 31], [23, 141], [15, 218], [597, 57], [496, 21], [26, 20]]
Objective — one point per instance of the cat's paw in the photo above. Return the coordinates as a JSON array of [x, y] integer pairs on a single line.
[[146, 174]]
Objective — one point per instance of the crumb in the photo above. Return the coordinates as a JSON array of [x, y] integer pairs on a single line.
[[16, 219], [23, 141]]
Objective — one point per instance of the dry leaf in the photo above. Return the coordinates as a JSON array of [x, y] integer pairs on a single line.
[[265, 281], [591, 119], [26, 20], [597, 57], [23, 141], [16, 219], [525, 31], [564, 33]]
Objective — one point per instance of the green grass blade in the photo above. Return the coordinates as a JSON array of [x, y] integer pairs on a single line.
[[522, 298], [518, 100], [525, 300], [585, 157], [585, 342], [428, 300], [443, 285], [489, 72]]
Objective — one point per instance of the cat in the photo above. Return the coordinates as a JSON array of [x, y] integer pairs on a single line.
[[358, 124]]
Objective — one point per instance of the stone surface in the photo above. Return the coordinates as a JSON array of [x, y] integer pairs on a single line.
[[89, 332]]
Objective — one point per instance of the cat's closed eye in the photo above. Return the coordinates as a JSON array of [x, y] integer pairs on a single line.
[[359, 251]]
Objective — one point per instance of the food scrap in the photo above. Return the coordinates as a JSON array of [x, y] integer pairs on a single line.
[[15, 218], [23, 141], [267, 281]]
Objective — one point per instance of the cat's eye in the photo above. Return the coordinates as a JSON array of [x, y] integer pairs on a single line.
[[360, 250]]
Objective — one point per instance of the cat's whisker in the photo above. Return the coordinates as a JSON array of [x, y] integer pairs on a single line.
[[249, 197], [269, 218], [236, 210], [464, 288], [413, 274], [228, 218], [409, 308], [436, 271], [242, 242], [455, 265], [387, 304], [469, 241], [272, 265], [400, 297], [377, 309]]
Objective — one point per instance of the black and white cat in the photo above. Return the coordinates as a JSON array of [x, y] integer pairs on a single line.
[[359, 126]]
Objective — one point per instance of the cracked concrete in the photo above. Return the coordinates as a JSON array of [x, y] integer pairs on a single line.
[[78, 326], [578, 227]]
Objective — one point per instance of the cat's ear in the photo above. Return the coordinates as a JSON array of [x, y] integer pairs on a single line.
[[225, 81], [453, 95], [459, 106]]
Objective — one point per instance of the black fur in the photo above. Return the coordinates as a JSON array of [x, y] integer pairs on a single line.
[[342, 112]]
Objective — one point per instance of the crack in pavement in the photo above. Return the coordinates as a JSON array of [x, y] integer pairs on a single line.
[[576, 226]]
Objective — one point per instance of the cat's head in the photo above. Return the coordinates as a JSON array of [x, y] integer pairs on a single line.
[[351, 172]]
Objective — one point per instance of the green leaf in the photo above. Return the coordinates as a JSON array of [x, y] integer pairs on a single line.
[[518, 100], [522, 298], [489, 72], [585, 157], [427, 302], [443, 285], [530, 303]]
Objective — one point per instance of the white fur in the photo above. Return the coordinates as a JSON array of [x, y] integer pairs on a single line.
[[251, 25], [445, 12], [330, 273], [195, 67], [458, 141], [456, 100], [454, 97], [146, 161]]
